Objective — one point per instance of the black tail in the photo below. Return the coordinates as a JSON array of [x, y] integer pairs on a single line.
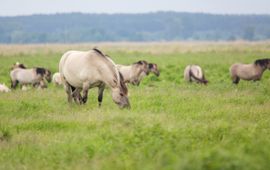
[[203, 80]]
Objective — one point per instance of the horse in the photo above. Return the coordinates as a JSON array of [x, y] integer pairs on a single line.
[[4, 88], [34, 76], [83, 70], [194, 73], [56, 79], [249, 72], [135, 72], [17, 65]]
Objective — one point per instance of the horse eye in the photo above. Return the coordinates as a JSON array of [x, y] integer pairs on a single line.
[[121, 94]]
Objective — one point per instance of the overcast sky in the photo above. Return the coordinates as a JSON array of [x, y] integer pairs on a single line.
[[27, 7]]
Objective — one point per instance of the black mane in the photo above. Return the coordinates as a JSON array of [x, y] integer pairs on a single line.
[[21, 66], [262, 62], [141, 62], [150, 65], [40, 71], [99, 52]]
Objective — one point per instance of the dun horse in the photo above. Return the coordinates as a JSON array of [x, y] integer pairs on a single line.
[[4, 88], [34, 76], [137, 71], [56, 79], [252, 71], [81, 71], [134, 73], [194, 73]]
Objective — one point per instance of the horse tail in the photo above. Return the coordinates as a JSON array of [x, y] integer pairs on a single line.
[[201, 80]]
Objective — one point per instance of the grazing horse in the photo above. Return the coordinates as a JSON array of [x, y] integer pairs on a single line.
[[252, 71], [56, 79], [4, 88], [134, 73], [194, 73], [82, 70], [35, 76]]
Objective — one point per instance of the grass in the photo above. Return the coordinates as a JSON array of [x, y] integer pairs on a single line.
[[171, 125]]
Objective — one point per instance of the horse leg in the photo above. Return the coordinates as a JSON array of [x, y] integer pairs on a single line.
[[100, 94], [236, 80], [42, 84], [76, 94], [85, 92], [14, 83], [67, 88]]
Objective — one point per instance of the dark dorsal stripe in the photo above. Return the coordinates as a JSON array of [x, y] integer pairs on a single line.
[[40, 71], [262, 62]]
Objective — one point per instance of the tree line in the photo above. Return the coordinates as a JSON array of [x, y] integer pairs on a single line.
[[158, 26]]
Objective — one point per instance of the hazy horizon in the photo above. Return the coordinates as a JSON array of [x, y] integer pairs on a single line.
[[32, 7]]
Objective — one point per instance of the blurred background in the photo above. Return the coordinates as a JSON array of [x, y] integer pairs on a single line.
[[69, 21]]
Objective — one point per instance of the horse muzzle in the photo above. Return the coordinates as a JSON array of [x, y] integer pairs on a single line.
[[125, 105], [157, 73]]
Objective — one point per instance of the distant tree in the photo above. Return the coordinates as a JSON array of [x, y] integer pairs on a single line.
[[249, 33], [170, 26]]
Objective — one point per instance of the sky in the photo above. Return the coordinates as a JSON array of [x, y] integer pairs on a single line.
[[28, 7]]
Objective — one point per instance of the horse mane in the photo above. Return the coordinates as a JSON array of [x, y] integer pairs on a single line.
[[262, 62], [21, 66], [99, 52], [118, 77], [18, 65], [122, 83], [141, 62], [40, 70], [150, 65]]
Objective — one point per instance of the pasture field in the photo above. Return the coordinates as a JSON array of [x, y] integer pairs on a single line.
[[171, 125]]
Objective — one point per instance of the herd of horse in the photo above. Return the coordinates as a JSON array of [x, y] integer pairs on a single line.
[[80, 71]]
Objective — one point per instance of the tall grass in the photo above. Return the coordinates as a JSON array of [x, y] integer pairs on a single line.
[[172, 124]]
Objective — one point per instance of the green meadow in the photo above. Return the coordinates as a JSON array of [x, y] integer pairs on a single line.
[[172, 124]]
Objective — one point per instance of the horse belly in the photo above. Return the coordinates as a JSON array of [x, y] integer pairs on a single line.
[[247, 74], [78, 76], [26, 78]]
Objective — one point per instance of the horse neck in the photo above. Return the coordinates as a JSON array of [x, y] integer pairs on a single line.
[[260, 69], [137, 71], [111, 76]]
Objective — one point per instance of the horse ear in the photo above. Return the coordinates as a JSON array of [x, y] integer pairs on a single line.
[[140, 62]]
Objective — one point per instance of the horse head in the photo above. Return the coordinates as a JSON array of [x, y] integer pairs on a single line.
[[48, 75], [143, 65], [120, 94], [264, 63], [153, 68]]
